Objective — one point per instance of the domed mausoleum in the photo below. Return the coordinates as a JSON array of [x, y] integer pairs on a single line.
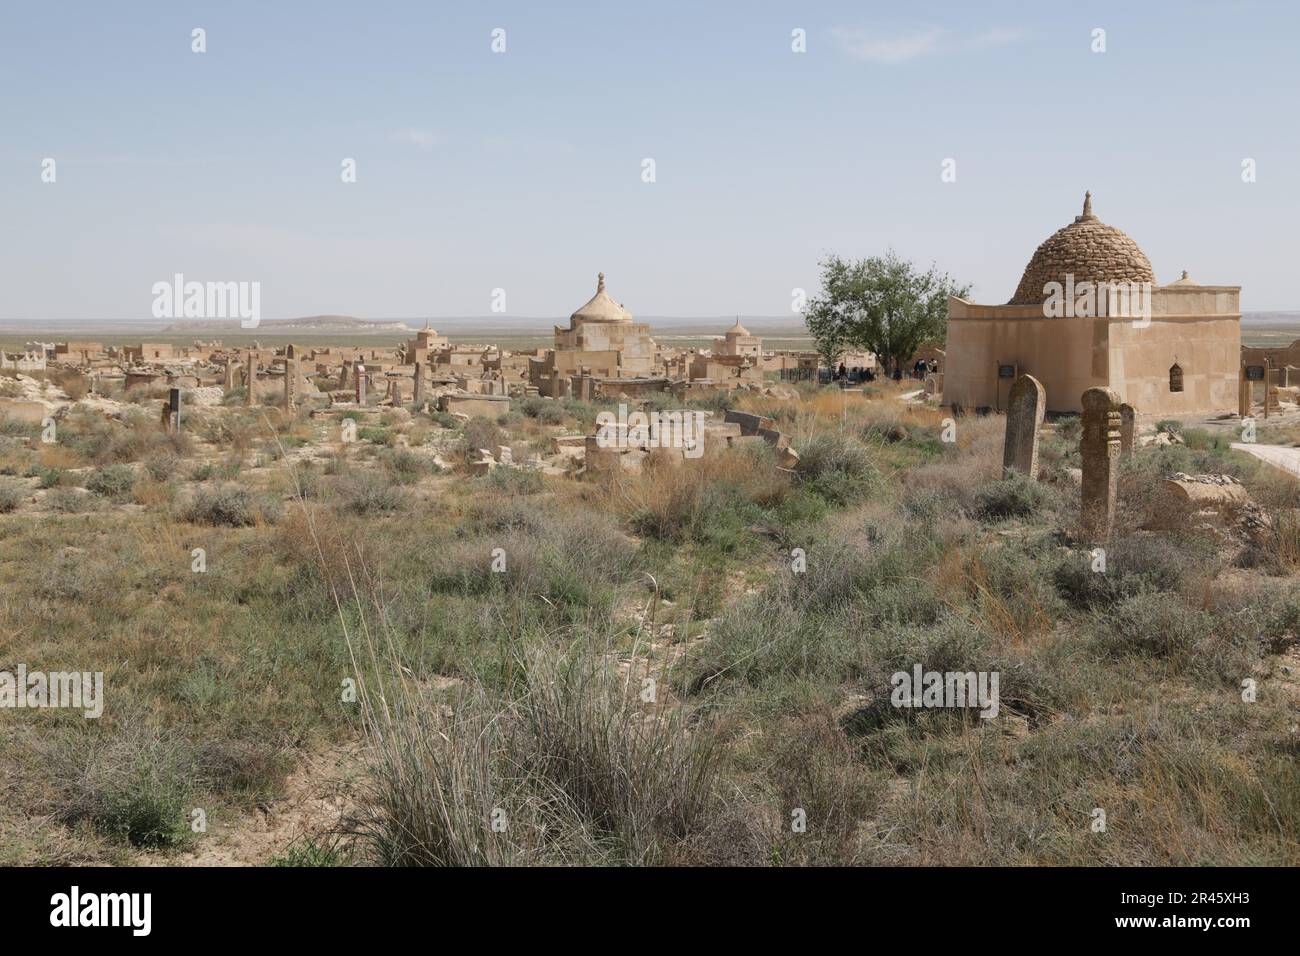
[[1089, 312], [737, 341], [1087, 249], [601, 342]]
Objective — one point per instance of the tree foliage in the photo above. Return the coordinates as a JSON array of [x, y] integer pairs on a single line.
[[883, 304]]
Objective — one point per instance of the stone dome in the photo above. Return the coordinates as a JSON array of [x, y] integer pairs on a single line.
[[737, 329], [1089, 250], [600, 307]]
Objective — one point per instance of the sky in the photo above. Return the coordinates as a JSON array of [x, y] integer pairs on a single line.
[[524, 170]]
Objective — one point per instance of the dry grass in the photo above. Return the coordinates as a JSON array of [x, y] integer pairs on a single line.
[[485, 692]]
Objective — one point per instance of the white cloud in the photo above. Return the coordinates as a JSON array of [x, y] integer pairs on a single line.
[[879, 46], [875, 47], [423, 138]]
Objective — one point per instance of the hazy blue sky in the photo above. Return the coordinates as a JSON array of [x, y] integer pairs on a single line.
[[523, 170]]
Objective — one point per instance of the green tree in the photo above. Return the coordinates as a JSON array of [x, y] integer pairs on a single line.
[[883, 304]]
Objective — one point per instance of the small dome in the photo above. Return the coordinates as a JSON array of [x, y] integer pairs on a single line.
[[601, 308], [737, 329], [1089, 250]]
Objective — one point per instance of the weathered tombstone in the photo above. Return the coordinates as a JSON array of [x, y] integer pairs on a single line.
[[230, 374], [171, 412], [1026, 406], [1127, 428], [250, 379], [290, 384], [419, 383], [1099, 447], [343, 375], [359, 373]]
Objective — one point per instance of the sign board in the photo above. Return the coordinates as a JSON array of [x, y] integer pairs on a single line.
[[1006, 371], [1254, 373]]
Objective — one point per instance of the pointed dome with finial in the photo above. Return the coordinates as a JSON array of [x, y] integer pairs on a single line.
[[1087, 249], [737, 329], [601, 308]]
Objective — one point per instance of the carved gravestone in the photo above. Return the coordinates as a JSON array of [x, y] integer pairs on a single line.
[[250, 379], [290, 384], [1127, 428], [1100, 451], [419, 383], [1026, 406], [230, 374], [359, 373]]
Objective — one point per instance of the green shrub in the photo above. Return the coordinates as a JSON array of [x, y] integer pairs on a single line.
[[71, 501], [480, 433], [446, 419], [548, 412], [231, 506], [1140, 564], [137, 788], [160, 467], [1016, 496], [53, 477], [510, 480], [837, 467], [404, 466], [112, 481], [11, 493], [363, 493]]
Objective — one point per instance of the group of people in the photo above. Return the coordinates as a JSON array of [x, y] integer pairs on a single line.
[[920, 370], [924, 367], [853, 375]]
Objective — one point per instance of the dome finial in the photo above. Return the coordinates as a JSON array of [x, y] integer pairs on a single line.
[[1087, 203], [600, 282]]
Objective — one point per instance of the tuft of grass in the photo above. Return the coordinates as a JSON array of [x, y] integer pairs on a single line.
[[231, 506], [1016, 496], [11, 494], [365, 493], [565, 767], [837, 467], [112, 481], [136, 788]]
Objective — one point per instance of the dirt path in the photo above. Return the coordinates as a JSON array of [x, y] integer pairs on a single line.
[[316, 795], [1279, 456]]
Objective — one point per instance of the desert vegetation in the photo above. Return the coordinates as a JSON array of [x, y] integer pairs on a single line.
[[665, 667]]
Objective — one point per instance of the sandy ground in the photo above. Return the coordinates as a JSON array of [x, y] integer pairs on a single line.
[[315, 798]]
